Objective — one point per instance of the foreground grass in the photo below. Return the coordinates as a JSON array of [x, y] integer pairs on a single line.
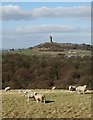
[[59, 104]]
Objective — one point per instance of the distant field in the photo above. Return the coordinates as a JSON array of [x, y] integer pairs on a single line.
[[36, 52], [59, 104]]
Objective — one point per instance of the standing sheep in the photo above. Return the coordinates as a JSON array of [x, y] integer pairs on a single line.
[[39, 97], [30, 94], [81, 89], [7, 88]]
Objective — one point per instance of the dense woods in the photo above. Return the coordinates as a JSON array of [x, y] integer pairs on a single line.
[[22, 71]]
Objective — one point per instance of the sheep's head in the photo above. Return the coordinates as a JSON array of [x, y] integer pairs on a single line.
[[85, 86], [25, 92], [35, 93]]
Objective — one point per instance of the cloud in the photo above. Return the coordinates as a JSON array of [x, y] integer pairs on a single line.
[[11, 12], [15, 12], [46, 29]]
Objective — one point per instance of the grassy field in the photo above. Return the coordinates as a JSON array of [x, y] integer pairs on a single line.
[[48, 53], [59, 104]]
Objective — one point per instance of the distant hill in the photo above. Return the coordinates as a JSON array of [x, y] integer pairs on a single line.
[[55, 49], [61, 46]]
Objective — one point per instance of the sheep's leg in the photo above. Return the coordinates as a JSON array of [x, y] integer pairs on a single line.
[[28, 98], [40, 99], [34, 99], [44, 101], [78, 92], [37, 100]]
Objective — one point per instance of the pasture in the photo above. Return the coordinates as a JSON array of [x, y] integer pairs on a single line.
[[59, 104], [52, 53]]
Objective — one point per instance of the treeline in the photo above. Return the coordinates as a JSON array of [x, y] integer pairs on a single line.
[[21, 71]]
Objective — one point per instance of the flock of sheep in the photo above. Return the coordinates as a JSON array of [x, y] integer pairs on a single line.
[[29, 94], [37, 96], [41, 97], [78, 89]]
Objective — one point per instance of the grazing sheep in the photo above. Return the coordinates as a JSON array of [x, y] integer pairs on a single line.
[[39, 97], [7, 88], [53, 88], [72, 88], [29, 94], [81, 89]]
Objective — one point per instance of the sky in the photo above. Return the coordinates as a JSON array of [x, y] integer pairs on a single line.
[[26, 24]]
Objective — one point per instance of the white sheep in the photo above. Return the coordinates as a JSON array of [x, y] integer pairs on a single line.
[[39, 97], [72, 88], [7, 88], [30, 94], [27, 93], [53, 88], [81, 89]]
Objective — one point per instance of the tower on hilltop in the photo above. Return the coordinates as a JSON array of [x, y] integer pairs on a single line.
[[51, 39]]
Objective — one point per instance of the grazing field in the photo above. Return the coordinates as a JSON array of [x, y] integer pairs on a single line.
[[52, 53], [59, 104]]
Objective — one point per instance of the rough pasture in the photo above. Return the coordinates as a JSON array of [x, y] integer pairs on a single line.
[[59, 104]]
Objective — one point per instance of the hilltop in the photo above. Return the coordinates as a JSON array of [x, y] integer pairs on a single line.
[[54, 49], [48, 46]]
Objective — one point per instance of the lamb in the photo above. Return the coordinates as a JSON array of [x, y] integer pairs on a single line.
[[72, 88], [7, 88], [53, 88], [81, 89], [39, 97]]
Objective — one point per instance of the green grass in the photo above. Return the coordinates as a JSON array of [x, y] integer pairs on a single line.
[[60, 104], [36, 52]]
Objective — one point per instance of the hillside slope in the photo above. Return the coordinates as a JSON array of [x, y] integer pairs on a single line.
[[55, 49], [61, 46]]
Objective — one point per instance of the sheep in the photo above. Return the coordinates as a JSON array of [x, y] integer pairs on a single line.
[[72, 88], [39, 97], [30, 94], [81, 89], [7, 88], [53, 88]]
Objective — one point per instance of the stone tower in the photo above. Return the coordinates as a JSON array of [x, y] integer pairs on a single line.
[[51, 39]]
